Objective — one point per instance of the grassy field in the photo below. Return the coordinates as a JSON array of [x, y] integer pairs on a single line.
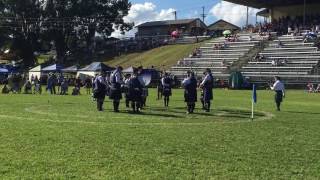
[[162, 57], [63, 137]]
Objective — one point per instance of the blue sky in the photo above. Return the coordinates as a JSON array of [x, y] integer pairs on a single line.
[[185, 8], [156, 10]]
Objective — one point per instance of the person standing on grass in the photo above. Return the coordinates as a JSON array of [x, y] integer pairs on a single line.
[[115, 89], [190, 91], [100, 90], [126, 89], [135, 92], [160, 88], [166, 82], [88, 85], [207, 86], [278, 87]]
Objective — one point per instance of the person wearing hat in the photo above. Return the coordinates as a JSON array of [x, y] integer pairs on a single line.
[[135, 92], [278, 87], [99, 92], [190, 91], [115, 89], [167, 85], [207, 86]]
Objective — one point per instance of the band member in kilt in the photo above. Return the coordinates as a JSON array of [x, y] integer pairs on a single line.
[[126, 89], [115, 89], [99, 92], [207, 86], [167, 86], [190, 91], [135, 92], [160, 88], [279, 88]]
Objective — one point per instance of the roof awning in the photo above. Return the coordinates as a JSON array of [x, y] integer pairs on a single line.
[[264, 13], [270, 3]]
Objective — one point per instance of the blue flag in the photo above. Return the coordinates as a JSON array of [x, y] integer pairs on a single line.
[[254, 94]]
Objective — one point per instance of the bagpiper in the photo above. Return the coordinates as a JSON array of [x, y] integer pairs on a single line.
[[207, 86], [190, 92], [115, 89]]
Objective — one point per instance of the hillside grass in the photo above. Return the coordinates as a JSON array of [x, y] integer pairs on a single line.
[[64, 137], [161, 58]]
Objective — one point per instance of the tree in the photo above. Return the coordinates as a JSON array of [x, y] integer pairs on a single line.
[[68, 23], [19, 23]]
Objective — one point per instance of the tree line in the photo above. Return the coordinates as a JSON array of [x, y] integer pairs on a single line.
[[25, 25]]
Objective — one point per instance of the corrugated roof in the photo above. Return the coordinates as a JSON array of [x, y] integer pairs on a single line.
[[168, 22], [270, 3]]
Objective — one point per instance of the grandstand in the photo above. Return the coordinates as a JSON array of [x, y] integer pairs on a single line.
[[288, 54], [219, 55]]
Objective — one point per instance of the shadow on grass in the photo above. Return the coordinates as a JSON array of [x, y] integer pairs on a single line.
[[299, 112]]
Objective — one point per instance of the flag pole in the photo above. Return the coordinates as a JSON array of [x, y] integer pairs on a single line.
[[252, 109]]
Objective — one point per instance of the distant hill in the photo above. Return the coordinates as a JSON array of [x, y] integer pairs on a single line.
[[161, 58]]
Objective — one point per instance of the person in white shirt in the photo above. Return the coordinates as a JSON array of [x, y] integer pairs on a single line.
[[99, 91], [207, 86], [279, 88]]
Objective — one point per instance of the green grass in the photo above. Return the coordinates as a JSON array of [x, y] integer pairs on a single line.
[[63, 137], [162, 58]]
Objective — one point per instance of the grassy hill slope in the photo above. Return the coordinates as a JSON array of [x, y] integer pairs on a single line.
[[162, 57]]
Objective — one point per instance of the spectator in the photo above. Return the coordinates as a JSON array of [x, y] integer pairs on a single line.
[[5, 90]]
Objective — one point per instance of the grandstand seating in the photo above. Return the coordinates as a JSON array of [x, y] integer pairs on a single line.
[[289, 59], [218, 55]]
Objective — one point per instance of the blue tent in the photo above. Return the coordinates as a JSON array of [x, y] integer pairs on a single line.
[[53, 68], [96, 67], [4, 71]]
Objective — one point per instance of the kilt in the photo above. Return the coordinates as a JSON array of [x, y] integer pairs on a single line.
[[135, 95], [166, 91], [207, 94], [190, 96], [278, 96], [115, 92]]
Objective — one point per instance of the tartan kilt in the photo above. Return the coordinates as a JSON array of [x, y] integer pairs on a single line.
[[278, 96]]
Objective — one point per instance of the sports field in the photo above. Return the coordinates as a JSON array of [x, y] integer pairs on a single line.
[[63, 137]]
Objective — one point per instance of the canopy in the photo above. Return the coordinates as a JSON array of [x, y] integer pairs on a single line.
[[128, 70], [93, 69], [4, 71], [53, 68], [97, 66], [35, 72], [71, 69], [270, 3]]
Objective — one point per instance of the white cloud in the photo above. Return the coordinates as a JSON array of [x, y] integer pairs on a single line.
[[233, 13], [141, 13]]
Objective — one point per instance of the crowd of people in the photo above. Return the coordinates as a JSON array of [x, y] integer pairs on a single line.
[[312, 88]]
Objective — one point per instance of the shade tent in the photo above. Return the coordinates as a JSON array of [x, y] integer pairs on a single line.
[[53, 68], [129, 70], [35, 72], [71, 69], [93, 69], [4, 71]]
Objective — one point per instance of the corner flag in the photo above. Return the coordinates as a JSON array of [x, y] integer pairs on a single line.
[[254, 99], [254, 94]]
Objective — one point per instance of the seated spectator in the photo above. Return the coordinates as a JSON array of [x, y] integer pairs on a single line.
[[37, 88], [273, 63], [28, 88], [64, 87], [279, 45], [310, 88], [318, 89], [75, 91], [5, 90], [283, 62]]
